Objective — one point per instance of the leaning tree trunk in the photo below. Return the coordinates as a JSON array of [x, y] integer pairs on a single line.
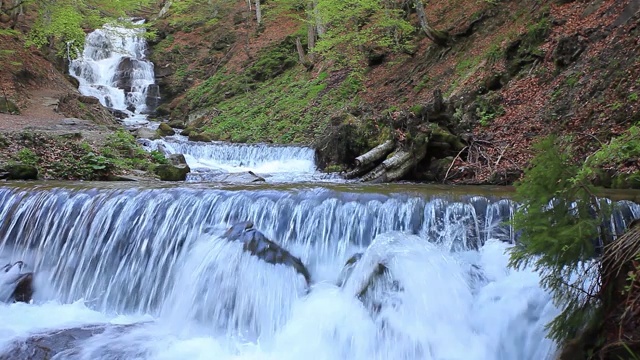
[[439, 37]]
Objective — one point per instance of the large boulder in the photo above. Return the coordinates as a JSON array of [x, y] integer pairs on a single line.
[[176, 159], [146, 133], [16, 285], [168, 172], [255, 243], [18, 171], [199, 137], [165, 130]]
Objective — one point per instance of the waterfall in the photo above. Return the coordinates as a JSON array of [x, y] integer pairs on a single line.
[[160, 253], [278, 163], [113, 68]]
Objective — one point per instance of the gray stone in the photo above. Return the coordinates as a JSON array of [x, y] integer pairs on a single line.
[[146, 133], [176, 159]]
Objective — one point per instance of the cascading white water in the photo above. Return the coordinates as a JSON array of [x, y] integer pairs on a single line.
[[113, 68], [159, 254], [275, 162]]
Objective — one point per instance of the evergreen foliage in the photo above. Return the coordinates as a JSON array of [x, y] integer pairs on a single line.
[[562, 225]]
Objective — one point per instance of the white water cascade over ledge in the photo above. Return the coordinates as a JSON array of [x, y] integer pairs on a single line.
[[113, 68], [276, 163], [156, 259]]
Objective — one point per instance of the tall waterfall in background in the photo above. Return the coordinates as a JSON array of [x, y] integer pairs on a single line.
[[113, 67], [130, 255]]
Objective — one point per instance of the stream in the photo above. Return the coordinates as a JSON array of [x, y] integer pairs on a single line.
[[149, 270]]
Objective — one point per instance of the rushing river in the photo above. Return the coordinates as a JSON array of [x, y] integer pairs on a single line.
[[154, 257], [150, 264]]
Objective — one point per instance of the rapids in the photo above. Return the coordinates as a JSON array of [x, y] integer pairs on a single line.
[[156, 258]]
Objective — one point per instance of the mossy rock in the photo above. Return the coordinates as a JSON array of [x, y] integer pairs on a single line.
[[439, 134], [177, 124], [18, 172], [187, 131], [8, 107], [168, 172], [200, 137], [165, 130]]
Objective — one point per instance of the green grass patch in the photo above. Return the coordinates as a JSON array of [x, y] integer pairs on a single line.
[[291, 108]]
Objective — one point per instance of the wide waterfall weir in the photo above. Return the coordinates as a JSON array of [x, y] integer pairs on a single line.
[[152, 267]]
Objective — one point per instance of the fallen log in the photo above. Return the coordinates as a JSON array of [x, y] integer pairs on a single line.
[[397, 160], [375, 154], [358, 171]]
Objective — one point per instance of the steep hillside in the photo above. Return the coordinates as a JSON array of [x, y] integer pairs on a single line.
[[513, 71]]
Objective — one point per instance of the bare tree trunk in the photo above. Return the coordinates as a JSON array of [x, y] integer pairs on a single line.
[[311, 26], [439, 37], [320, 28], [258, 12]]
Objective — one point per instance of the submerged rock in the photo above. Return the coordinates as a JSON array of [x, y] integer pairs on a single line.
[[15, 284], [61, 344], [268, 251], [237, 178]]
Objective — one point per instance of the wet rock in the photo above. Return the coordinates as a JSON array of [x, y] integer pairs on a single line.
[[237, 178], [146, 133], [177, 124], [168, 172], [124, 73], [187, 131], [347, 269], [165, 130], [176, 159], [61, 344], [118, 114], [8, 107], [73, 81], [18, 172], [152, 98], [268, 251], [16, 285]]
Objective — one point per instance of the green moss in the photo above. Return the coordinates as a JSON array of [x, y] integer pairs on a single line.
[[291, 108]]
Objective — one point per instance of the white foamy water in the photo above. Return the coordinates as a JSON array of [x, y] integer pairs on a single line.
[[113, 68], [276, 163], [443, 314], [156, 258]]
